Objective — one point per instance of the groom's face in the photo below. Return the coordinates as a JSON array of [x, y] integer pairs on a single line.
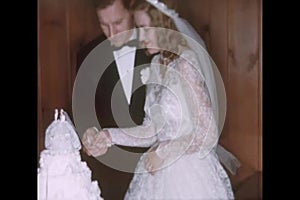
[[115, 19]]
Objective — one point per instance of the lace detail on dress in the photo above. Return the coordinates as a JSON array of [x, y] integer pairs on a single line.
[[140, 136], [188, 84], [179, 117]]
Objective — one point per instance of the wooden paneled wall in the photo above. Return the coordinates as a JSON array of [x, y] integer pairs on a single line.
[[63, 27], [231, 30]]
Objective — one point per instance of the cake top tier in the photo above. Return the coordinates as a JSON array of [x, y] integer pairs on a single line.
[[61, 136]]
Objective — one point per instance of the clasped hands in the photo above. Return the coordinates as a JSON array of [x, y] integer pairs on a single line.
[[95, 142]]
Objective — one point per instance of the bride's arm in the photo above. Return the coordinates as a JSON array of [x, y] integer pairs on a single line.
[[96, 142], [144, 135], [203, 136], [139, 136]]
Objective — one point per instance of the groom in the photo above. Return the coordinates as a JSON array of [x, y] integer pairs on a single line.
[[116, 102], [119, 80]]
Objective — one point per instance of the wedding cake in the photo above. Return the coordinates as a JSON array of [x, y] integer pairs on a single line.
[[61, 174]]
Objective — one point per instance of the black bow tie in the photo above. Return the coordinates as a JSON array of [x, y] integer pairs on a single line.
[[131, 43]]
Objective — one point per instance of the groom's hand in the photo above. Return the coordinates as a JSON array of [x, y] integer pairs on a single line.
[[95, 143], [88, 139]]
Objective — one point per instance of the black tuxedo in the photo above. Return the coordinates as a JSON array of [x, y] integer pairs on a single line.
[[114, 183], [128, 115]]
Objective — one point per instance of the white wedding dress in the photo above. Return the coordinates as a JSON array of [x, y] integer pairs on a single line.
[[179, 121]]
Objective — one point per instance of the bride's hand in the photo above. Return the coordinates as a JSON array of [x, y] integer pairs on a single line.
[[153, 162], [88, 139], [102, 142], [95, 143]]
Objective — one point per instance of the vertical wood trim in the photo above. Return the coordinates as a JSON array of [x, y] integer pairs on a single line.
[[243, 82], [53, 59], [205, 8], [40, 121], [209, 26], [40, 112], [229, 53], [229, 25], [218, 44], [259, 85], [69, 67]]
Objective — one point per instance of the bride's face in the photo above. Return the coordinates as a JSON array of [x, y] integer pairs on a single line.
[[148, 36]]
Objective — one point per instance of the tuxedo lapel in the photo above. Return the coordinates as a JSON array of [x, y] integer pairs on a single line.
[[138, 89], [110, 102], [136, 83], [114, 78], [110, 97]]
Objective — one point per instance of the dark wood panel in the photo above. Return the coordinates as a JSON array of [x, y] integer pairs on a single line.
[[40, 139], [218, 43], [251, 188], [218, 35], [231, 31], [83, 27], [243, 84], [53, 58], [260, 85], [64, 27], [197, 13], [93, 28]]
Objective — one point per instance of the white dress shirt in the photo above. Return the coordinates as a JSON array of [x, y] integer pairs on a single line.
[[124, 59]]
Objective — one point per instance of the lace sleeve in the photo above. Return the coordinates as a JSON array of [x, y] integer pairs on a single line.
[[144, 135], [203, 135], [139, 136]]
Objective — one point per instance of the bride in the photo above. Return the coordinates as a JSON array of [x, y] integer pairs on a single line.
[[182, 116]]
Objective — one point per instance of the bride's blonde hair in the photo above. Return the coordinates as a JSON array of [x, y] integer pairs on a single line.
[[166, 39]]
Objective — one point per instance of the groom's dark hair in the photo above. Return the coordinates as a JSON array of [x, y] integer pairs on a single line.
[[101, 4]]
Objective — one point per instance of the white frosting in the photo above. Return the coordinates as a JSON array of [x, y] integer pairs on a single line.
[[62, 175]]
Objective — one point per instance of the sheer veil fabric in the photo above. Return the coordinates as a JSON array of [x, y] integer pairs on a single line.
[[212, 78]]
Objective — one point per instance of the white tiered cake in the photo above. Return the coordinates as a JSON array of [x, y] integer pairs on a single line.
[[62, 175]]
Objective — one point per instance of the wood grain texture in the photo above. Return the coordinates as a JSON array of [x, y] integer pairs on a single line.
[[64, 26], [259, 89], [243, 83], [83, 27], [40, 138], [53, 58], [197, 13], [219, 43], [232, 32]]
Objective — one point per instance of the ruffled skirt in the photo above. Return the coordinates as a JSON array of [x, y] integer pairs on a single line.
[[187, 178]]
